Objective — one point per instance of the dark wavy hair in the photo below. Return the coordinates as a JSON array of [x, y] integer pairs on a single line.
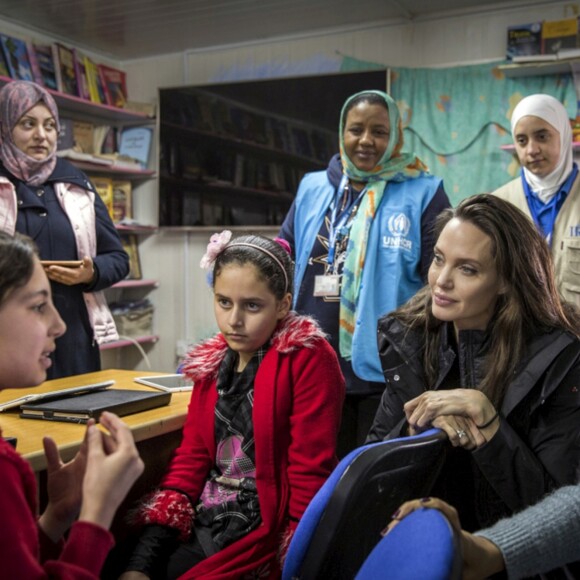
[[16, 263], [269, 269], [531, 305]]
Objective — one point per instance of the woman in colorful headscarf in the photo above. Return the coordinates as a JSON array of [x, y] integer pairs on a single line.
[[360, 233], [53, 202], [548, 189]]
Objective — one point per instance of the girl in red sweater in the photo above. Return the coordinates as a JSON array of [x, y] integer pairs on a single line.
[[260, 436], [93, 483]]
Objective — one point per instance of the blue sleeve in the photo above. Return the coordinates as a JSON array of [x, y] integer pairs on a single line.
[[439, 202]]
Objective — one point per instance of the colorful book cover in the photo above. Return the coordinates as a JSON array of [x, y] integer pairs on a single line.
[[16, 57], [45, 61], [66, 63], [115, 85], [135, 142], [104, 187], [559, 34], [34, 64], [66, 139], [524, 40], [122, 206], [81, 74]]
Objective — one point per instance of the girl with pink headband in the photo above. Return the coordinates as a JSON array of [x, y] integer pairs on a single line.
[[259, 440]]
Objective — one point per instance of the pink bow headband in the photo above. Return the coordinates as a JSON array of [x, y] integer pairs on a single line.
[[219, 242]]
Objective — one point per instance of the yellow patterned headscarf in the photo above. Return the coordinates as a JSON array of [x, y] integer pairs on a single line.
[[394, 165]]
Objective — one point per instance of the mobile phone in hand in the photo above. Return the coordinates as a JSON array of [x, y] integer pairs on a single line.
[[63, 263]]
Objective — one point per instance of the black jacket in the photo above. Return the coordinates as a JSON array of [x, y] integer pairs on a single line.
[[41, 217], [537, 447]]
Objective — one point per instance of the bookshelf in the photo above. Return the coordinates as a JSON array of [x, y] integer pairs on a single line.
[[133, 289], [225, 163]]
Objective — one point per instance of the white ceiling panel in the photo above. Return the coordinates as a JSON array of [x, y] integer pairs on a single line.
[[129, 29]]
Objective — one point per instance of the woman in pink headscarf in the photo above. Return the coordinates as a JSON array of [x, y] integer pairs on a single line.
[[548, 189], [55, 203]]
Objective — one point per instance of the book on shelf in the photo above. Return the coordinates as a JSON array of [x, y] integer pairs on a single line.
[[135, 142], [205, 113], [66, 73], [94, 82], [65, 138], [43, 55], [3, 66], [81, 74], [301, 142], [139, 107], [280, 135], [84, 136], [104, 187], [524, 40], [75, 155], [16, 57], [131, 246], [37, 77], [122, 200], [559, 34], [114, 84], [100, 135], [120, 161]]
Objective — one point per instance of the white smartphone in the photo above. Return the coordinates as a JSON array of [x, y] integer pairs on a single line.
[[170, 383]]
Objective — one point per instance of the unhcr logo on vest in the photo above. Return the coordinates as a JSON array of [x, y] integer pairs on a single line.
[[399, 226]]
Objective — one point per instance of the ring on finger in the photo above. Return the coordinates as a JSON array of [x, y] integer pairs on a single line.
[[460, 433]]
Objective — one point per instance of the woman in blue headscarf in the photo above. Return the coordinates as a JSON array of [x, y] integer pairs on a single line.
[[360, 234]]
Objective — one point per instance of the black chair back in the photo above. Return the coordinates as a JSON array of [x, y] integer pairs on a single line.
[[379, 479]]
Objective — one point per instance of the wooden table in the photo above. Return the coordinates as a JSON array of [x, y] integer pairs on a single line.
[[147, 425]]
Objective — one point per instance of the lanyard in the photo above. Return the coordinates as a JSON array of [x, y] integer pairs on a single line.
[[340, 223], [545, 224]]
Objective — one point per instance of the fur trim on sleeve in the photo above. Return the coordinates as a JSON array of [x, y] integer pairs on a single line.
[[166, 507], [285, 540]]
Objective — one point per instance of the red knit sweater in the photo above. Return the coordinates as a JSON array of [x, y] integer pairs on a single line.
[[25, 551]]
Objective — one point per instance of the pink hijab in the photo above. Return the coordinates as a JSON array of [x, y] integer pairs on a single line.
[[16, 98]]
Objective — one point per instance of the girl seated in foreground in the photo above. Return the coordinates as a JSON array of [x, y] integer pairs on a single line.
[[91, 485], [259, 439]]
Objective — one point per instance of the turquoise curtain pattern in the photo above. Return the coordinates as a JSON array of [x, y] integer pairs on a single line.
[[456, 119]]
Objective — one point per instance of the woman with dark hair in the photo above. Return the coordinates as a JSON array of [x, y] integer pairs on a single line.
[[361, 233], [47, 198], [90, 487], [489, 353], [259, 440]]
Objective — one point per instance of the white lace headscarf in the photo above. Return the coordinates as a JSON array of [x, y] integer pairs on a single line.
[[553, 112]]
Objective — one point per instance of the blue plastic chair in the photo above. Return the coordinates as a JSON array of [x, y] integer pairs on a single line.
[[423, 546], [343, 522]]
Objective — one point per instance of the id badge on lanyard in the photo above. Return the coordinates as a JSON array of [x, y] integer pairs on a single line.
[[328, 284]]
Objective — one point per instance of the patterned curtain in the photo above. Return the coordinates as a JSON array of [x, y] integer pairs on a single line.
[[456, 119]]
